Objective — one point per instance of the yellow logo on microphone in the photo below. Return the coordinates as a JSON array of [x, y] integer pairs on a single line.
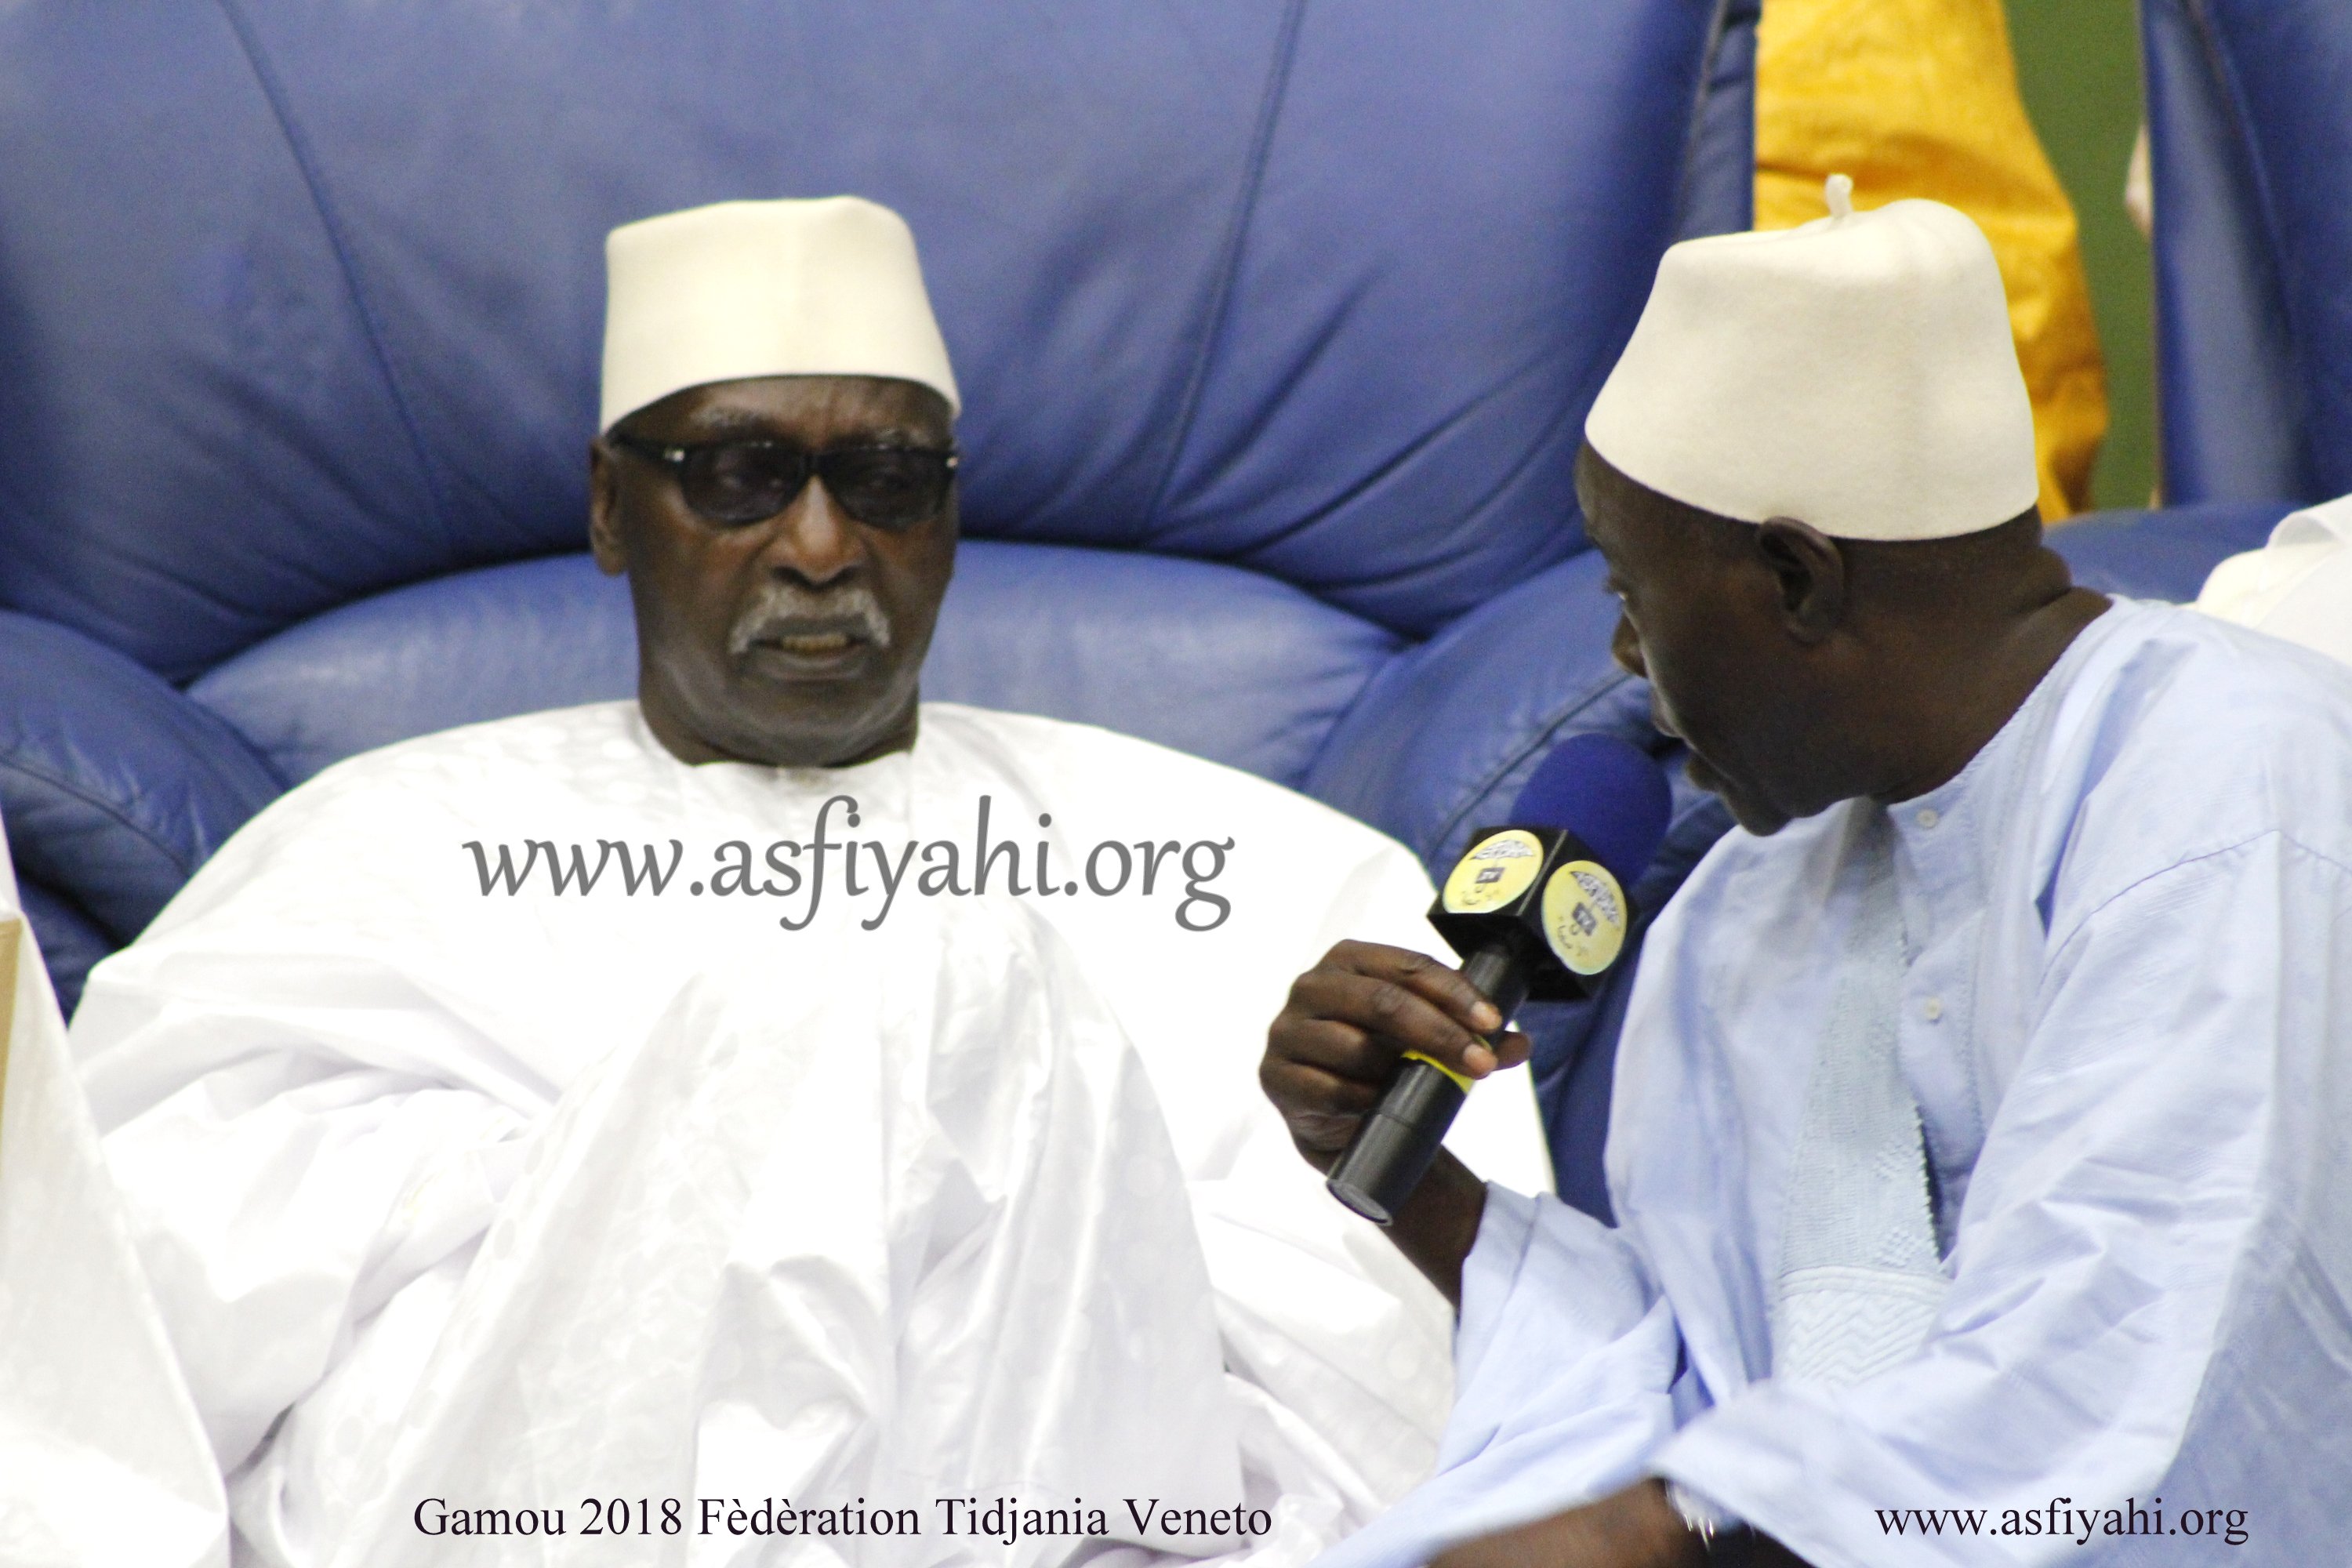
[[1584, 916], [1493, 874]]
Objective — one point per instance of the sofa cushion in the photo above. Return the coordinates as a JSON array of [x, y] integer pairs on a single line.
[[114, 787], [1320, 291], [1214, 661]]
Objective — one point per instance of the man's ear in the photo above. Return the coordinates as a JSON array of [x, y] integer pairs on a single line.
[[604, 512], [1811, 572]]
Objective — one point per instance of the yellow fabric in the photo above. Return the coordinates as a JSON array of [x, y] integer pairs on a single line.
[[1918, 97]]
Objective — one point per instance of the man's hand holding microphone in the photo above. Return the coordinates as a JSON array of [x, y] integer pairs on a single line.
[[1376, 1047], [1338, 1041]]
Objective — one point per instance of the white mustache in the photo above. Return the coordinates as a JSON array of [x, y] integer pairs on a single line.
[[780, 604]]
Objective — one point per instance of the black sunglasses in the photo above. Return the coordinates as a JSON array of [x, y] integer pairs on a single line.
[[734, 483]]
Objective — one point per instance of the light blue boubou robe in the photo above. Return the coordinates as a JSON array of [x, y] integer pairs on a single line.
[[2125, 1017]]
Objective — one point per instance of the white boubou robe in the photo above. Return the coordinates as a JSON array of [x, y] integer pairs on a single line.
[[836, 1197], [2122, 1007]]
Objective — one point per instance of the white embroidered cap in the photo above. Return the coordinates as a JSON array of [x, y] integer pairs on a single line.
[[822, 287], [1856, 374]]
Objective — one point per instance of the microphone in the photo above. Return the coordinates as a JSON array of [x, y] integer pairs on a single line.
[[1538, 912]]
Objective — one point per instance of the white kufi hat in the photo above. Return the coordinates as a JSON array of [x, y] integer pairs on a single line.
[[826, 286], [1856, 374]]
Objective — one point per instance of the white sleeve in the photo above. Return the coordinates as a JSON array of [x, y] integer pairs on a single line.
[[1564, 1363], [278, 1191]]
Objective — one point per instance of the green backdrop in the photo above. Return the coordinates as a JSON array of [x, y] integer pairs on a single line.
[[2078, 65]]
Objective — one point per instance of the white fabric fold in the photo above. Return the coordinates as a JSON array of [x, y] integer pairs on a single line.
[[947, 1253], [102, 1461], [1563, 1362]]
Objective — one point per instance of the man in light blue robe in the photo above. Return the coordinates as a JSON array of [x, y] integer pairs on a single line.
[[1981, 1147]]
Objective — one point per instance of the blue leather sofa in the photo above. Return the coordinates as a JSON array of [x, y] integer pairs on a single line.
[[1276, 324], [2252, 163], [2254, 264]]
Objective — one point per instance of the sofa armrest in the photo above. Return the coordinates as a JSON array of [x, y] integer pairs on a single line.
[[2162, 555], [114, 787], [1441, 738]]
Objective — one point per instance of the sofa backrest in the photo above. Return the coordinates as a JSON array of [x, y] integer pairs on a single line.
[[301, 302], [2254, 246]]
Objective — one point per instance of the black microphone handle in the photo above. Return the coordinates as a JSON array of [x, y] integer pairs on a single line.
[[1394, 1146]]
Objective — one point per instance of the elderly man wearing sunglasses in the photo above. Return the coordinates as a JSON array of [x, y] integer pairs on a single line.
[[677, 1104]]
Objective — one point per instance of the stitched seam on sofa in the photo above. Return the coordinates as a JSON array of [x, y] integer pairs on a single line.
[[103, 806], [1244, 210], [1543, 738], [273, 94], [1541, 446]]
